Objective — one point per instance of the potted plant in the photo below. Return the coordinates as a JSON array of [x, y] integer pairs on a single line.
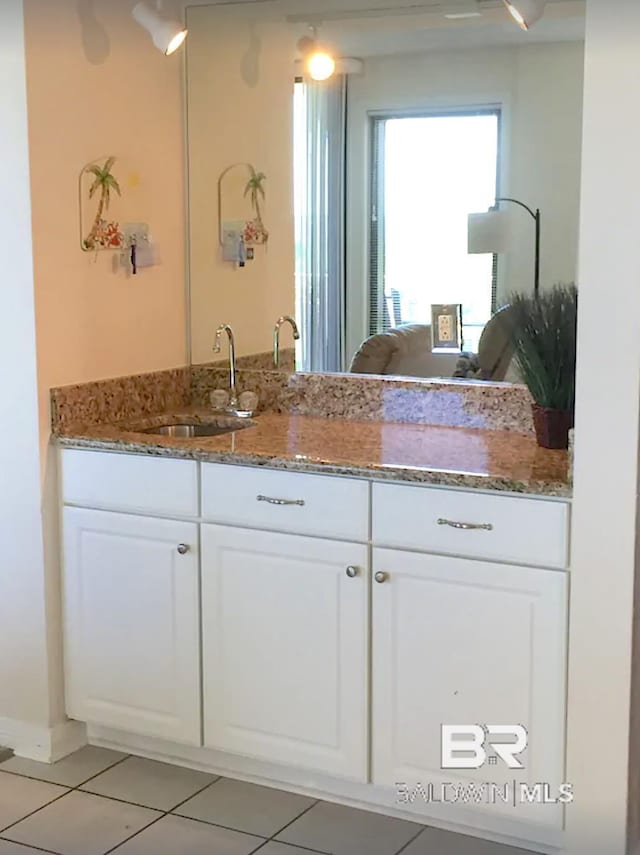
[[543, 328]]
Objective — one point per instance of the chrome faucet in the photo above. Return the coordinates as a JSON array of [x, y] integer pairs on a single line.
[[233, 403], [285, 319]]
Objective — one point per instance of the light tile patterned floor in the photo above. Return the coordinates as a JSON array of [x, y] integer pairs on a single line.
[[98, 801]]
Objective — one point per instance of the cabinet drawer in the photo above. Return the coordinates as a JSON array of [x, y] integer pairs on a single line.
[[476, 525], [286, 501], [129, 482]]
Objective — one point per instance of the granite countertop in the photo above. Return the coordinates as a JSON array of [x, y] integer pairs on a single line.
[[458, 457]]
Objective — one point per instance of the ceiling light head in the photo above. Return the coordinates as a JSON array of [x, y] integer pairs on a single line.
[[319, 62], [526, 12], [306, 44], [320, 65], [167, 35]]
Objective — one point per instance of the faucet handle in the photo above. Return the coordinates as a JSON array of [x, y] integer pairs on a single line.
[[249, 402], [222, 329]]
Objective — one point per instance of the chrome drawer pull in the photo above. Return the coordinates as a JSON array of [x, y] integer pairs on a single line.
[[461, 526], [281, 502]]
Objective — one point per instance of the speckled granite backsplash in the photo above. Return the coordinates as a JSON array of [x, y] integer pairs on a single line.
[[261, 361], [106, 401], [349, 396], [364, 397]]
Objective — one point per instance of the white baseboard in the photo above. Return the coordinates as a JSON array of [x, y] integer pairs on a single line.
[[44, 744]]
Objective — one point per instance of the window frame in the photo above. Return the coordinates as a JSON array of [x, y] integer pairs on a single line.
[[375, 262]]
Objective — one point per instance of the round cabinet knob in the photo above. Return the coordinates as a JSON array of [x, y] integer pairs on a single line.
[[184, 548], [352, 572], [381, 577]]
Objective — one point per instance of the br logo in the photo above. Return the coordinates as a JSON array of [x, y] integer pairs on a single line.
[[464, 746]]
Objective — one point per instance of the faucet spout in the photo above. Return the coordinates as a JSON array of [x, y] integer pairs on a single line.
[[285, 319], [225, 328]]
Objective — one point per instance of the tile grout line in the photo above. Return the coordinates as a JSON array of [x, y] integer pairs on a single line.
[[32, 813], [68, 790], [217, 825], [69, 787], [108, 769], [284, 827], [171, 812], [163, 815], [28, 846], [409, 842], [132, 836]]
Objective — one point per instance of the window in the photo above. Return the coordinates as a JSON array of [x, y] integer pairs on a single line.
[[428, 173]]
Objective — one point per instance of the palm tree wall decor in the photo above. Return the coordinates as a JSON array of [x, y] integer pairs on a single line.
[[241, 195], [256, 231], [103, 235]]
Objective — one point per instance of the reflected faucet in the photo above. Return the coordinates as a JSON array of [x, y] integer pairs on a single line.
[[285, 319], [233, 403]]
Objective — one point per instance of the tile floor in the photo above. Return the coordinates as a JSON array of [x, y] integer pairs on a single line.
[[98, 801]]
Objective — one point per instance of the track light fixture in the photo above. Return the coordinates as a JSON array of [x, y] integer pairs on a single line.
[[167, 35], [526, 12], [319, 62]]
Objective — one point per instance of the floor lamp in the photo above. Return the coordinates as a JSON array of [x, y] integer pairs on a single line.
[[489, 233]]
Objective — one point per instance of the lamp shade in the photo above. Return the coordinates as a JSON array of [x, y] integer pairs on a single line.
[[526, 12], [489, 232], [166, 35]]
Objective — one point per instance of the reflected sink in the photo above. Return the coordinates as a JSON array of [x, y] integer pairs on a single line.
[[192, 430]]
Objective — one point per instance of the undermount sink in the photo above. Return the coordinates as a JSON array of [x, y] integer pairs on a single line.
[[192, 430]]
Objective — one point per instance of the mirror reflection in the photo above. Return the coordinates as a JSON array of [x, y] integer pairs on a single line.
[[392, 208]]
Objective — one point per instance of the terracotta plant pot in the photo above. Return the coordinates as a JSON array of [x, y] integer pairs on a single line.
[[552, 426]]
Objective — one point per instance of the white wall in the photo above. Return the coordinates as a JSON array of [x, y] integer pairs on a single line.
[[540, 90], [24, 677], [604, 536], [95, 85]]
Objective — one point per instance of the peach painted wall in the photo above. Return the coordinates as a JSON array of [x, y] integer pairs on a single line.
[[97, 86], [240, 104]]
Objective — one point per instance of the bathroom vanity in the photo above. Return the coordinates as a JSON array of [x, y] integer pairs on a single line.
[[230, 606]]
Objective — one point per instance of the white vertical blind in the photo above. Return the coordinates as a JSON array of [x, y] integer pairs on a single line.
[[320, 130]]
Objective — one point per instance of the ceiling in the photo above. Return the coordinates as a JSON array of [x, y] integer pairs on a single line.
[[399, 27]]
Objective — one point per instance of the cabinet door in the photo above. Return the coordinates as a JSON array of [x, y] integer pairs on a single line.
[[285, 649], [460, 642], [132, 623]]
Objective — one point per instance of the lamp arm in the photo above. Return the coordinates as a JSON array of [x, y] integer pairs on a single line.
[[537, 217], [534, 214]]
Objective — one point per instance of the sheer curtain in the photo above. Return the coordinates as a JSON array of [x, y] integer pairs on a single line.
[[320, 226]]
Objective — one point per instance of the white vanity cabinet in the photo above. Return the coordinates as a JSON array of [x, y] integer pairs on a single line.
[[132, 619], [285, 649], [318, 628], [463, 642]]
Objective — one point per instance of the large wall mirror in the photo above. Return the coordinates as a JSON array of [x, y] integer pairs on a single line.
[[345, 203]]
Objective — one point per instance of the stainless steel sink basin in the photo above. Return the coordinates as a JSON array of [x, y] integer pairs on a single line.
[[191, 430]]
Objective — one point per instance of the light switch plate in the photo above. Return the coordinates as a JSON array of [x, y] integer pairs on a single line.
[[137, 231], [231, 233]]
